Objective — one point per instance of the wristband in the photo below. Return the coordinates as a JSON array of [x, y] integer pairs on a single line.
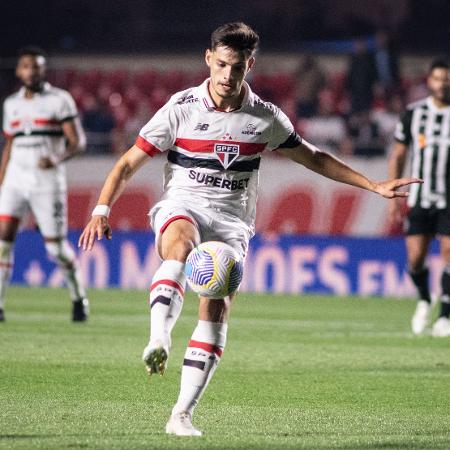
[[101, 210]]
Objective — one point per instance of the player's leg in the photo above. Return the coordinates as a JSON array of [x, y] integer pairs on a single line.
[[8, 231], [177, 235], [13, 205], [50, 212], [200, 362], [441, 327], [417, 249]]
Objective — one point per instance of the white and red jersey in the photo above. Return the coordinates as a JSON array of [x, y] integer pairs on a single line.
[[214, 156], [35, 127]]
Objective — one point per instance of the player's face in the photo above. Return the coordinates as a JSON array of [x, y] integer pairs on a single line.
[[439, 84], [228, 69], [31, 71]]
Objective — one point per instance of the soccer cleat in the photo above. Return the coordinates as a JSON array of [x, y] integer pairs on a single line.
[[80, 310], [421, 317], [441, 327], [155, 358], [180, 424], [2, 315]]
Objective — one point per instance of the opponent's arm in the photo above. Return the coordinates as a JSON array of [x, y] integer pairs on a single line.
[[6, 154], [75, 143], [331, 167], [114, 185]]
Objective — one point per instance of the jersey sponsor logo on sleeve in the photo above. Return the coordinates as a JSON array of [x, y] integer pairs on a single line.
[[227, 153]]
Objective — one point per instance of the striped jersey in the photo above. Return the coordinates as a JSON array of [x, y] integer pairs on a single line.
[[214, 156], [425, 129], [35, 127]]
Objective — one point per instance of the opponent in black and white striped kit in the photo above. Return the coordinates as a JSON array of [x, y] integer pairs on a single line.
[[424, 134]]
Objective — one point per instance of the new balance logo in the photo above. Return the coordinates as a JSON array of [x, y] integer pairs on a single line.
[[201, 127]]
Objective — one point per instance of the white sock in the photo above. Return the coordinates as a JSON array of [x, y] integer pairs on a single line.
[[166, 300], [6, 267], [62, 253], [200, 362]]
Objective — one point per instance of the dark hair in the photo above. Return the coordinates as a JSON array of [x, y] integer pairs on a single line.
[[440, 63], [237, 36], [31, 50]]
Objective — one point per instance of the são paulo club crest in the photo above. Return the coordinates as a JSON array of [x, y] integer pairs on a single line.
[[227, 153]]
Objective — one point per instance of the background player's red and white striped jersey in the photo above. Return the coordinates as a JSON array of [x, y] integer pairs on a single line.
[[35, 127], [214, 156]]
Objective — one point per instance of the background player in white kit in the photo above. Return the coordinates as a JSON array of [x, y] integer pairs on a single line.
[[42, 131], [214, 135]]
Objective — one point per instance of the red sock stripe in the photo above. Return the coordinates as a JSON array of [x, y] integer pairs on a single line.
[[5, 265], [172, 283], [8, 218], [207, 347]]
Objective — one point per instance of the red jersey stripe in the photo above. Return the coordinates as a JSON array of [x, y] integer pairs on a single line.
[[46, 122], [15, 123], [172, 283], [207, 146], [207, 347], [146, 146]]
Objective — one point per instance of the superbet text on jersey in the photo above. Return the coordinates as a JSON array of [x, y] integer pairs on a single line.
[[214, 156]]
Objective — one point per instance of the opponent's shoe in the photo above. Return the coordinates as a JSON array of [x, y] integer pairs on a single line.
[[2, 315], [80, 310], [441, 327], [180, 424], [155, 358], [421, 317]]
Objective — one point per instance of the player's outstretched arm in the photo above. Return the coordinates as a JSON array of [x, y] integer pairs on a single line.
[[331, 167], [115, 183]]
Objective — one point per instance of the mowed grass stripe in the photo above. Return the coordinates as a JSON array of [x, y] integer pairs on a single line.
[[297, 372]]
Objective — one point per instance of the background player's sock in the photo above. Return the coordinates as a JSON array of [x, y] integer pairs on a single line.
[[62, 253], [420, 280], [200, 361], [445, 298], [6, 266], [166, 300]]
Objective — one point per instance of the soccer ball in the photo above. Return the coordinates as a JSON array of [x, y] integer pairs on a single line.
[[214, 270]]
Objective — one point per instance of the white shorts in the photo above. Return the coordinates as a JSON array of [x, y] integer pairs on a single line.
[[212, 225], [49, 209]]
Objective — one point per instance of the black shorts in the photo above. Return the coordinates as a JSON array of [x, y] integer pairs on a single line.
[[428, 221]]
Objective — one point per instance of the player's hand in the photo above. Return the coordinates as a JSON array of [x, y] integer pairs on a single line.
[[388, 189], [395, 215], [46, 163], [97, 228]]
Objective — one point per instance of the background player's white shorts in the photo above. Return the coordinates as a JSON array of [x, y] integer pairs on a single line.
[[49, 209], [212, 225]]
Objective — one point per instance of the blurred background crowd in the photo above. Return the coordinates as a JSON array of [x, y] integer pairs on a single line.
[[342, 70]]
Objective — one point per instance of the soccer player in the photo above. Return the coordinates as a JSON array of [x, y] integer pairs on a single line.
[[42, 131], [214, 135], [424, 132]]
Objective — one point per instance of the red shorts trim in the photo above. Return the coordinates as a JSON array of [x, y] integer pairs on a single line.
[[207, 347], [172, 283], [172, 219], [7, 218]]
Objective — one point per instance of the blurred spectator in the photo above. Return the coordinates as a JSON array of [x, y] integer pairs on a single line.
[[99, 124], [386, 61], [326, 129], [309, 79], [361, 78], [366, 135], [386, 118]]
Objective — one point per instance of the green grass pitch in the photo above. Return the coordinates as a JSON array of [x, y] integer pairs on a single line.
[[298, 372]]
